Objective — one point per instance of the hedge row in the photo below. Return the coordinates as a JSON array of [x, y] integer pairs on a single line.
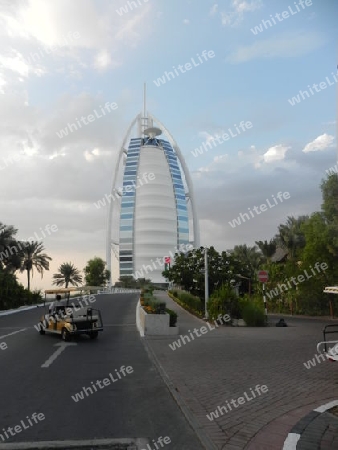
[[188, 301]]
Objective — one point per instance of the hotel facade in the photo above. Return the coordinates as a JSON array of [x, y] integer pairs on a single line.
[[156, 214]]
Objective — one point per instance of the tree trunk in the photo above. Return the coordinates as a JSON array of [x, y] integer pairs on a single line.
[[29, 280]]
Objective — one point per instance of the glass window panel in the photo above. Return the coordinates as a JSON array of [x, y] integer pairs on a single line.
[[125, 241], [127, 210], [127, 216], [125, 253], [183, 230]]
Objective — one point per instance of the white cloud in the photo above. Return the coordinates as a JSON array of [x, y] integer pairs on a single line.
[[238, 9], [289, 44], [276, 153], [15, 62], [253, 156], [322, 142], [213, 9], [44, 33], [186, 21], [207, 137], [103, 60]]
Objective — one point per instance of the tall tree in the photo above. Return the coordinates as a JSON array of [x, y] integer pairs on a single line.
[[33, 257], [268, 249], [187, 270], [68, 274], [10, 258], [250, 257], [329, 189], [291, 236], [96, 273]]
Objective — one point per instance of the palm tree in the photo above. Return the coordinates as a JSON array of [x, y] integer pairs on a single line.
[[267, 248], [291, 237], [250, 257], [32, 256], [68, 274], [10, 259]]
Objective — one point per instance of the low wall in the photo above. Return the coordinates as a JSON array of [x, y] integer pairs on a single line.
[[154, 324]]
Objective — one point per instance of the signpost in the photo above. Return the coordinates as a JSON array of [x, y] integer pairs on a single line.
[[167, 261], [263, 277]]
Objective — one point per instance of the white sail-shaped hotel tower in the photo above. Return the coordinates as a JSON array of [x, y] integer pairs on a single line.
[[153, 214]]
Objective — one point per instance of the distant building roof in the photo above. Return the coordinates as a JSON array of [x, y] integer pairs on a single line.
[[280, 255]]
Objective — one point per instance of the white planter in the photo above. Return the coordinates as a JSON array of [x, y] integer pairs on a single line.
[[154, 324]]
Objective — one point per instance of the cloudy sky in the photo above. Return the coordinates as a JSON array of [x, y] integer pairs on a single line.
[[61, 59]]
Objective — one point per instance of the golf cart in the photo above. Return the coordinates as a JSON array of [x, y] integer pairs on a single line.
[[329, 347], [70, 319]]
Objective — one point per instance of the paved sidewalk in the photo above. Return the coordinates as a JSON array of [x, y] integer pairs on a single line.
[[227, 363]]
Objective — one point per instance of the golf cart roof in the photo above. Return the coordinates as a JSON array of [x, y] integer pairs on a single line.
[[72, 289], [331, 290], [59, 291]]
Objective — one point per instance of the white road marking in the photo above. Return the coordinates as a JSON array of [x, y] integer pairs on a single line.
[[290, 442], [14, 332], [62, 346], [327, 406]]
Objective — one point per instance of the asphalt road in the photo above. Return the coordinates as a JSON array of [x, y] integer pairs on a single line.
[[137, 405]]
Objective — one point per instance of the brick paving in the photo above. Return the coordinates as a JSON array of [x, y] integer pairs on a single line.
[[227, 362]]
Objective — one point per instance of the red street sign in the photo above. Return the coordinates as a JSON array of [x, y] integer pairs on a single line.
[[263, 276], [167, 260]]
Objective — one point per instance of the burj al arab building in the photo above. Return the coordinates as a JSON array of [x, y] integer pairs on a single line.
[[152, 212]]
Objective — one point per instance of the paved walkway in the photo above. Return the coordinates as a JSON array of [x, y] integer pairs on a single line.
[[224, 371]]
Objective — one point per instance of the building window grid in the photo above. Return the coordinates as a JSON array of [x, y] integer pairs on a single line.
[[129, 179], [183, 233], [181, 209]]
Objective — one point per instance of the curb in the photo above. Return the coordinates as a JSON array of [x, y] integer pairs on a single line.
[[118, 444], [295, 435], [8, 312]]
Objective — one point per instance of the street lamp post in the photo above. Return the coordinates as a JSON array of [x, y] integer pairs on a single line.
[[206, 283]]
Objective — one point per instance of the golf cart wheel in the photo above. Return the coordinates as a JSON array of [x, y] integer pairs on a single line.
[[41, 329], [93, 334], [65, 335]]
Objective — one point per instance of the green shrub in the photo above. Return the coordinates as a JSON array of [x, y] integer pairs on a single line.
[[224, 301], [189, 302], [253, 315], [173, 317], [158, 306]]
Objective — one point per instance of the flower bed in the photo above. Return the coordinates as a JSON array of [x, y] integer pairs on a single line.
[[153, 318]]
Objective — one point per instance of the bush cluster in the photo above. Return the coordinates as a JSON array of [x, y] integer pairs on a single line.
[[225, 301], [152, 305], [253, 315], [13, 295], [173, 317], [188, 301]]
